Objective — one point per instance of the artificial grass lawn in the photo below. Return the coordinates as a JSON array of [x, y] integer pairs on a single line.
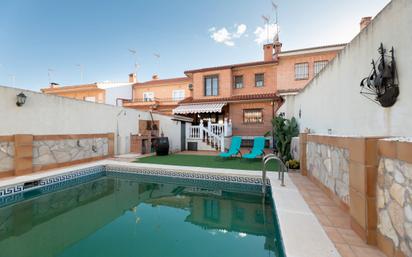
[[208, 162]]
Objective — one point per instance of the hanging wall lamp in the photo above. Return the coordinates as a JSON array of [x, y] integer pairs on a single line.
[[21, 99]]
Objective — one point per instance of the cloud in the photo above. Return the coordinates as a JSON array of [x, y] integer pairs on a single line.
[[223, 35], [262, 35], [241, 29]]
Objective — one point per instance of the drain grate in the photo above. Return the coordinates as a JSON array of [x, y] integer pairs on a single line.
[[31, 184]]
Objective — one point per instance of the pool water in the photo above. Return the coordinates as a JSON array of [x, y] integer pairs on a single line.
[[113, 216]]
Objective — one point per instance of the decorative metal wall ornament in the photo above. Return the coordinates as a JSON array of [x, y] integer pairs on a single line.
[[381, 86]]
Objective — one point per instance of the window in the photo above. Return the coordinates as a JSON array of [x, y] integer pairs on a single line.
[[148, 96], [90, 98], [211, 85], [259, 218], [301, 71], [238, 82], [252, 116], [178, 95], [239, 213], [259, 80], [211, 209], [318, 66]]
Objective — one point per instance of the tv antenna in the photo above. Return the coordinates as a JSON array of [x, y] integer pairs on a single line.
[[81, 68], [275, 8], [49, 74], [266, 20], [133, 52]]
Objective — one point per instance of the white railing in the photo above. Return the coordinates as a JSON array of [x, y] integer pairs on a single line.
[[213, 134], [195, 132], [216, 128]]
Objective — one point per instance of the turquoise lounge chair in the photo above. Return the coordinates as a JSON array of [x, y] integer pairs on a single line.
[[257, 150], [234, 148]]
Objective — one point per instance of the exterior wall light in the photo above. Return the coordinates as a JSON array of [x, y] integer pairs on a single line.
[[21, 99], [190, 87]]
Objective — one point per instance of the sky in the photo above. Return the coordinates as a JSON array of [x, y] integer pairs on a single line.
[[44, 41]]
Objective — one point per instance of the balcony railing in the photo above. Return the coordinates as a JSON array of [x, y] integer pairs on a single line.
[[155, 100]]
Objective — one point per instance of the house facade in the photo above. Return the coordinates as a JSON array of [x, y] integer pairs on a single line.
[[248, 95], [241, 99]]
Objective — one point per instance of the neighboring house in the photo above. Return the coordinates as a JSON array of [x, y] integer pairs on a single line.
[[99, 92], [161, 95]]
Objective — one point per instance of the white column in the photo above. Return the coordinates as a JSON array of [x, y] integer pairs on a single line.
[[201, 129]]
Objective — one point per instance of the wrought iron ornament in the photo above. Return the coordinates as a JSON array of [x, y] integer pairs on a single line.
[[381, 86]]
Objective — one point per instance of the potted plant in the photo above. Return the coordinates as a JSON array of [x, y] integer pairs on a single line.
[[293, 165]]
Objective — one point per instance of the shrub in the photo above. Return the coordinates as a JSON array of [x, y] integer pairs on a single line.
[[293, 164], [283, 131]]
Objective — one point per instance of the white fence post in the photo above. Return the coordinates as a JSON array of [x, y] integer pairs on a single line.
[[222, 143], [201, 129]]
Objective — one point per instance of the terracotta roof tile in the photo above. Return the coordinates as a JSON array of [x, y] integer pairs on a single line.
[[69, 88], [231, 66], [289, 90], [265, 96], [161, 81]]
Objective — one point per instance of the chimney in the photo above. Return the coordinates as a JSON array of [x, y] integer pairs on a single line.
[[268, 52], [278, 49], [132, 78], [155, 77], [365, 22], [53, 85]]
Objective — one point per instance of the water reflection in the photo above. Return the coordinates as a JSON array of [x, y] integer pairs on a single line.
[[48, 224]]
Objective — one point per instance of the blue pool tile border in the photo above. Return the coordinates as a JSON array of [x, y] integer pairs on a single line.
[[13, 193], [188, 174], [18, 188]]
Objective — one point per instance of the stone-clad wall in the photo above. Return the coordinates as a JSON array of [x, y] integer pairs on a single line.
[[6, 156], [394, 203], [23, 154], [329, 165], [47, 152]]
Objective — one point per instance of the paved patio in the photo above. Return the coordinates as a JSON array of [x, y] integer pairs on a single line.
[[335, 221]]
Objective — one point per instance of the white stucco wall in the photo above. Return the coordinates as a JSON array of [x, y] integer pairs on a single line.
[[171, 129], [332, 100], [49, 114], [288, 106], [112, 93]]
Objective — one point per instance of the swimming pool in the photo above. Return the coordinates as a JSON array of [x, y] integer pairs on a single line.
[[119, 212]]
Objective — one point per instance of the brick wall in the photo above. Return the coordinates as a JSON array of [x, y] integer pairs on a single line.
[[249, 80], [259, 129], [286, 69], [225, 84]]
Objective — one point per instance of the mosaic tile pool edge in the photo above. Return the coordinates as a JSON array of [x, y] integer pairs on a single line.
[[155, 174], [19, 188]]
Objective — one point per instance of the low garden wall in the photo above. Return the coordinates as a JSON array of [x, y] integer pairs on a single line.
[[346, 169], [371, 178], [24, 154], [330, 166], [6, 154], [394, 197]]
